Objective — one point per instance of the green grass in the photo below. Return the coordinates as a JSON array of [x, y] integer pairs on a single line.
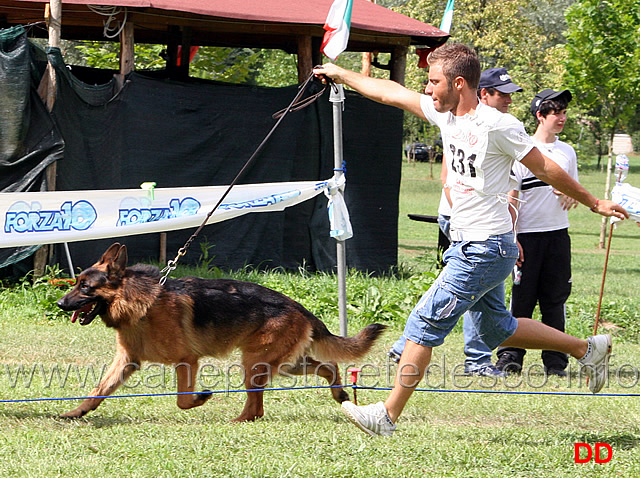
[[304, 434]]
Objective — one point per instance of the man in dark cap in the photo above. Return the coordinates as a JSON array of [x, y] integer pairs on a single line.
[[495, 89], [542, 230]]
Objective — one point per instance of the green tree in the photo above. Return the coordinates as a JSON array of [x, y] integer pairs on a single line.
[[234, 65], [603, 63], [603, 66], [507, 34]]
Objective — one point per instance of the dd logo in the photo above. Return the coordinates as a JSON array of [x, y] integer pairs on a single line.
[[593, 453]]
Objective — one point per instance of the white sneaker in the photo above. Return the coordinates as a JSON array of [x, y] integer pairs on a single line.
[[596, 361], [371, 419]]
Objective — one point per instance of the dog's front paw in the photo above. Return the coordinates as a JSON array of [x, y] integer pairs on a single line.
[[204, 395]]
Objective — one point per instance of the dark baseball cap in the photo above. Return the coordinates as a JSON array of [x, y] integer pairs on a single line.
[[499, 79], [548, 94]]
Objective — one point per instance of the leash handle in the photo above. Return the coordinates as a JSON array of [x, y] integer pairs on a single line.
[[310, 99]]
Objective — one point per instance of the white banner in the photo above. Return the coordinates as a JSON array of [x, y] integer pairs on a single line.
[[67, 216]]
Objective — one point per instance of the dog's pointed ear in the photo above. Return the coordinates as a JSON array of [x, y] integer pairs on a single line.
[[119, 262], [110, 254]]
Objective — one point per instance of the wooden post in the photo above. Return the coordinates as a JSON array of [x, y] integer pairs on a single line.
[[305, 58], [47, 91], [185, 53], [127, 49], [366, 59], [366, 63], [127, 53], [174, 38], [399, 63], [163, 248]]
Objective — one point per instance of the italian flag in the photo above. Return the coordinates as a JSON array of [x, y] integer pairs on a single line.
[[337, 27]]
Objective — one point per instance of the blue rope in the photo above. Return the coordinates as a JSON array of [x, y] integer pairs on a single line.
[[512, 392], [202, 392], [355, 387]]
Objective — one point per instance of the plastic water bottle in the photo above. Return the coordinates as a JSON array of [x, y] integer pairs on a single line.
[[622, 168]]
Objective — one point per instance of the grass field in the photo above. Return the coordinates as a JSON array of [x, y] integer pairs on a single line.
[[463, 427]]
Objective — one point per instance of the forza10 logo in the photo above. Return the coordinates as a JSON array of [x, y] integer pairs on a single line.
[[23, 217]]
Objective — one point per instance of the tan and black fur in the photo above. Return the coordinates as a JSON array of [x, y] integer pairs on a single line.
[[185, 319]]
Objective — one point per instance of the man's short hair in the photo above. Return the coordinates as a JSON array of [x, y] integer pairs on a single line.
[[457, 60], [490, 90]]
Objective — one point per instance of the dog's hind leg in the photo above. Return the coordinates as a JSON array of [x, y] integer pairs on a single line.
[[257, 375], [327, 370], [186, 372], [120, 370]]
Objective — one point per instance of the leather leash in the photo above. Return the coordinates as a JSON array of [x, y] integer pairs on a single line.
[[296, 104]]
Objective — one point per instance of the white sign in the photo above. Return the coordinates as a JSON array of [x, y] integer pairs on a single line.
[[67, 216]]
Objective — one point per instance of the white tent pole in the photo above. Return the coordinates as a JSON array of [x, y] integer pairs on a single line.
[[337, 100]]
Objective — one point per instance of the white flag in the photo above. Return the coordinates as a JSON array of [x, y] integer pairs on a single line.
[[447, 18], [337, 28]]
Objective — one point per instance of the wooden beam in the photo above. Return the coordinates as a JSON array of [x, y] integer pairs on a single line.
[[173, 41], [367, 56], [47, 91], [305, 57], [185, 53], [127, 53], [54, 22], [399, 64], [127, 49]]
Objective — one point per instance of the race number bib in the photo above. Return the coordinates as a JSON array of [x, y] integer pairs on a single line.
[[467, 151]]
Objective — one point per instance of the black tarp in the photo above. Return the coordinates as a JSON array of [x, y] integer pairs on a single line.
[[29, 140], [200, 133]]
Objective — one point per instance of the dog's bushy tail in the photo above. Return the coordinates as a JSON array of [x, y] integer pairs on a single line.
[[327, 346]]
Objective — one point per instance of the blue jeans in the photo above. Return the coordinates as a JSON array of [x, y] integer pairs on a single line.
[[472, 280], [476, 351]]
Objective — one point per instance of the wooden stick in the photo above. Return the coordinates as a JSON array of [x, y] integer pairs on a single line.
[[604, 274]]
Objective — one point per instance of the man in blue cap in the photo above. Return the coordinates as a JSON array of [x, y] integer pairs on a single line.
[[495, 89]]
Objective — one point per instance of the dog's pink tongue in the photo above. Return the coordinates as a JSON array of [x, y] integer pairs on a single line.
[[76, 313]]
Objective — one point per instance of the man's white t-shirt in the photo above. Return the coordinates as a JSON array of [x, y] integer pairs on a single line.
[[540, 209], [481, 150]]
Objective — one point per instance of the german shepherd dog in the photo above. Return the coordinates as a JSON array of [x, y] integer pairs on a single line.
[[185, 319]]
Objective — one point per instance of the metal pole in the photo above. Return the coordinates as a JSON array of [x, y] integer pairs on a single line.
[[68, 254], [337, 99]]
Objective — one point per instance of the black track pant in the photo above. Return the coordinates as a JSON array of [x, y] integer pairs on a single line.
[[546, 281]]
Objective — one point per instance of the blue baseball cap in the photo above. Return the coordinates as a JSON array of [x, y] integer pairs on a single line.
[[499, 79]]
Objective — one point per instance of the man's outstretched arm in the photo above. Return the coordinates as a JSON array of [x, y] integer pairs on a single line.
[[548, 171], [376, 89]]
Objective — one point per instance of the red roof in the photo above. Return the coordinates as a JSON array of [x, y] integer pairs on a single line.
[[366, 16]]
